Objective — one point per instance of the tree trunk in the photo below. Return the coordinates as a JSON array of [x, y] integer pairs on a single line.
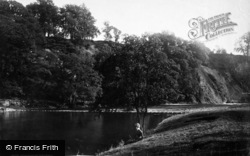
[[248, 48], [137, 114]]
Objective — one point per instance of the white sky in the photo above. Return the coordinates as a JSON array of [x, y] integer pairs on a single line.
[[140, 16]]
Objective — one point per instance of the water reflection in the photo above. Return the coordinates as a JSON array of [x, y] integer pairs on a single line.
[[86, 133]]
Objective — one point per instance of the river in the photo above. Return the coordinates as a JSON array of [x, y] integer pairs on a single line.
[[84, 133]]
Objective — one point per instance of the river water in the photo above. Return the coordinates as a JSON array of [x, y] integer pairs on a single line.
[[84, 133]]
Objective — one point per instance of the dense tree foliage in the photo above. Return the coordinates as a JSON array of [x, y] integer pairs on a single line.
[[71, 21], [184, 59], [243, 44], [150, 70], [64, 74], [35, 64], [19, 35], [47, 57], [77, 22], [46, 54], [134, 75], [47, 15]]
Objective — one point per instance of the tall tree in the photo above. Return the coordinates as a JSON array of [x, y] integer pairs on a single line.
[[183, 59], [48, 16], [135, 76], [107, 31], [77, 81], [243, 44], [108, 35], [78, 22]]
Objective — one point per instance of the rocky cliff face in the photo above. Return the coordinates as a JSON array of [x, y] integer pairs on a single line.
[[225, 80], [213, 86]]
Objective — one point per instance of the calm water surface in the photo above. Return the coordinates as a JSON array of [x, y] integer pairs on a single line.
[[85, 133]]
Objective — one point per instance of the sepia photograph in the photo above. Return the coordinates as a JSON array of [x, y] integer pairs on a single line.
[[125, 78]]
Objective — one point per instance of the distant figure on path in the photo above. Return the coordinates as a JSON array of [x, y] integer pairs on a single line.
[[139, 132]]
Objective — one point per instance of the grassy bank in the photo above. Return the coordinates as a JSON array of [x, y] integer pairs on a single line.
[[217, 132]]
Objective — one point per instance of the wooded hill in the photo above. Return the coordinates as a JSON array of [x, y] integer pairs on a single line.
[[49, 56]]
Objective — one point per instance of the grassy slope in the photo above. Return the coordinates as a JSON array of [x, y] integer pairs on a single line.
[[224, 132]]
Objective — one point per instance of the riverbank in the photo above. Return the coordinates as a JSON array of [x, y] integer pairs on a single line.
[[174, 108], [166, 108], [216, 132]]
